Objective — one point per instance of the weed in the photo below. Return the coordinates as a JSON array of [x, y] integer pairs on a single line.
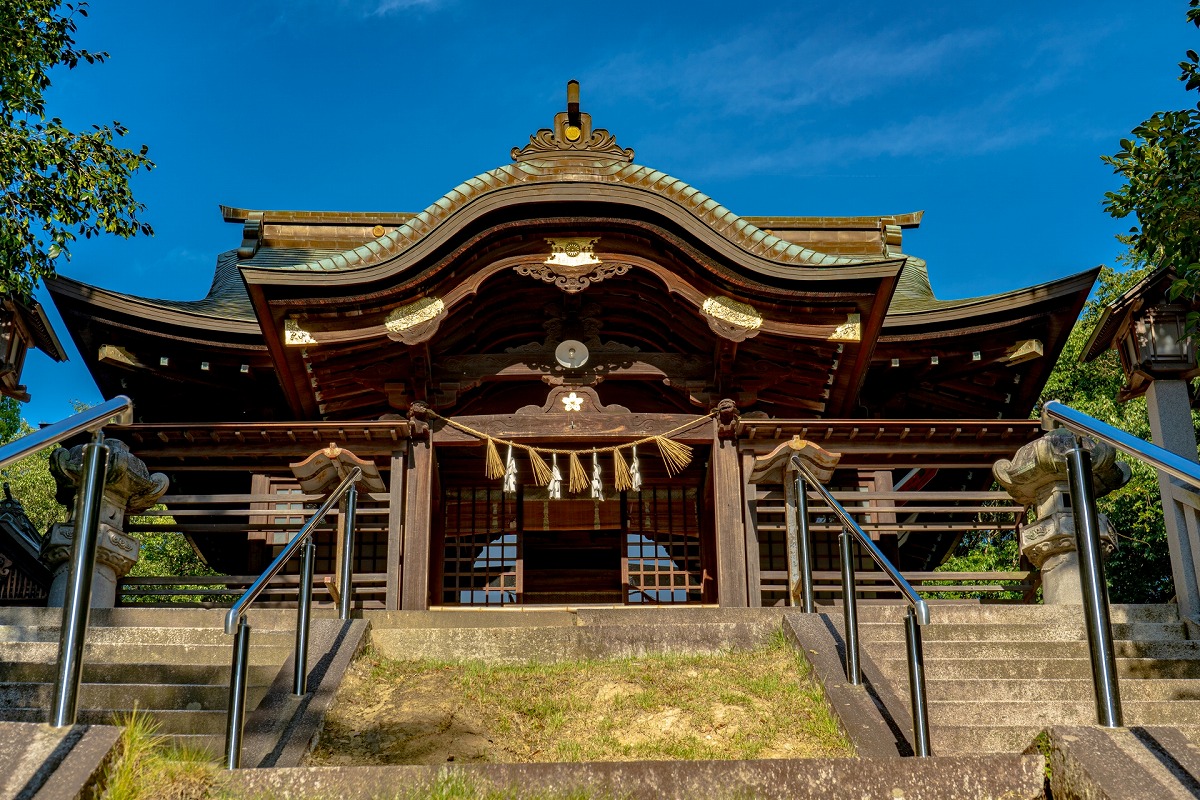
[[148, 766]]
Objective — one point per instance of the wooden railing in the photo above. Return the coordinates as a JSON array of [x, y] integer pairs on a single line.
[[270, 519], [912, 518]]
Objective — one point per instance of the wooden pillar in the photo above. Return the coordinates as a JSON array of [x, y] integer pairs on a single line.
[[732, 590], [418, 526], [750, 527], [395, 543]]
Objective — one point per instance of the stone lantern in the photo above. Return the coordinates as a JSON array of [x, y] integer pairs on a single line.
[[1037, 476], [1149, 332], [23, 324], [129, 488]]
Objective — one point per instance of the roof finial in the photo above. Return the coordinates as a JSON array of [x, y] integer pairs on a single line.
[[574, 121]]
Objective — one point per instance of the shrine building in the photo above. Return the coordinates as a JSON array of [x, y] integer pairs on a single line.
[[564, 370]]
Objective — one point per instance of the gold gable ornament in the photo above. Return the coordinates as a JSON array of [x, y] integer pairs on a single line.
[[730, 319], [416, 322]]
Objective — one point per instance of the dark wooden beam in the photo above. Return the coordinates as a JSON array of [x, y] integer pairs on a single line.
[[727, 510], [557, 427], [418, 527], [395, 544]]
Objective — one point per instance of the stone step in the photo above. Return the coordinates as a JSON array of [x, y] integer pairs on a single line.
[[1014, 614], [215, 674], [169, 721], [1009, 776], [1060, 631], [1059, 712], [120, 654], [126, 695], [153, 617], [973, 739], [1025, 651], [968, 668], [14, 634], [1048, 689]]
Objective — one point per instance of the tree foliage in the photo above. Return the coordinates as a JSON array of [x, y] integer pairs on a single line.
[[57, 184], [1161, 169]]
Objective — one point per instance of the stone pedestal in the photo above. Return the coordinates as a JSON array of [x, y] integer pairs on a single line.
[[1170, 411], [1037, 476], [129, 488]]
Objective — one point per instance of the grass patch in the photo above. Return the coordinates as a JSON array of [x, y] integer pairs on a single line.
[[736, 705], [148, 766]]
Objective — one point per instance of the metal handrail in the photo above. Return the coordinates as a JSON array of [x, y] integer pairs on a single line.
[[1087, 537], [917, 613], [118, 410], [77, 597], [1057, 415], [920, 607], [235, 618]]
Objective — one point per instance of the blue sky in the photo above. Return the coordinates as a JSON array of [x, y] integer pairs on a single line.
[[990, 117]]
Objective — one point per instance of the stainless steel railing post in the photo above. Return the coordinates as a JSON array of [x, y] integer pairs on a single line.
[[850, 609], [78, 600], [807, 602], [1095, 589], [303, 615], [348, 551], [916, 684], [237, 696]]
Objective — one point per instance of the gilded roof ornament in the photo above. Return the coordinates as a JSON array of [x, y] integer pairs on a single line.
[[294, 335], [572, 265], [848, 331], [730, 319], [572, 142], [416, 322]]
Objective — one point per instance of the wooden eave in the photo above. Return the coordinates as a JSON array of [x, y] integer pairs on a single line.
[[1149, 290], [539, 194], [176, 446], [945, 320], [887, 444], [159, 317], [909, 220], [457, 272]]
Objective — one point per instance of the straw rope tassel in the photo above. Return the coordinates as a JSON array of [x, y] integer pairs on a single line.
[[621, 481], [495, 467], [635, 472], [541, 470], [554, 487], [578, 480], [675, 456]]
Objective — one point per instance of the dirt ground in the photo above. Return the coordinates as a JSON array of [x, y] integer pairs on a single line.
[[757, 704]]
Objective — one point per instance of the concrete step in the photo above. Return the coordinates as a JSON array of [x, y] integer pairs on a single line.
[[1013, 614], [1079, 667], [148, 616], [1059, 631], [1025, 651], [121, 654], [1010, 776], [216, 674], [170, 721], [1048, 689], [125, 695], [14, 634], [974, 739], [1059, 712]]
